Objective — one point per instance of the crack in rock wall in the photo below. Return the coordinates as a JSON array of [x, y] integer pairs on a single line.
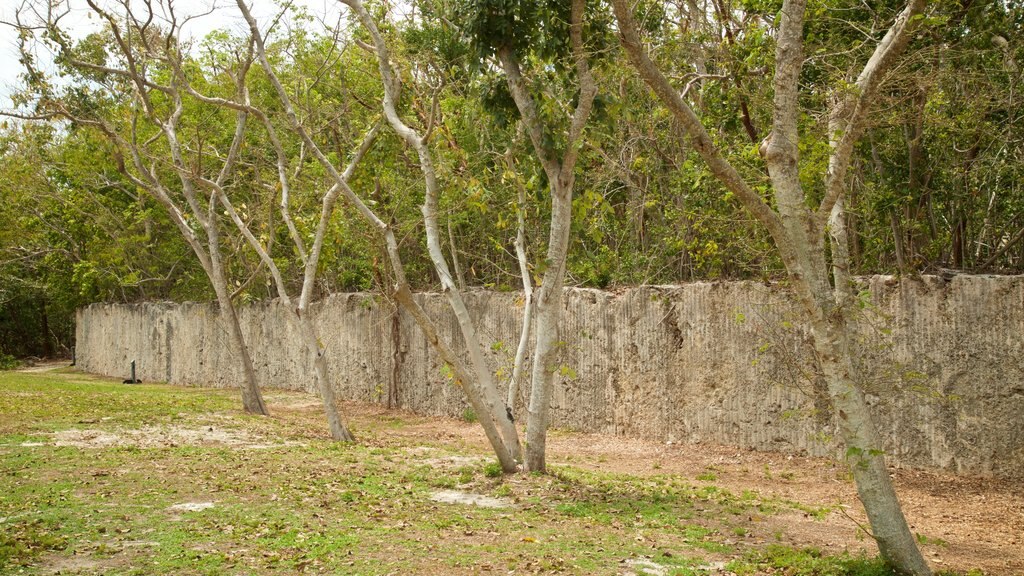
[[724, 362]]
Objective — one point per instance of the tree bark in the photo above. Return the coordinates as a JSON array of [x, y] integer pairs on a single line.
[[798, 232], [561, 179], [477, 380], [252, 399], [524, 273], [864, 453], [337, 427], [548, 314], [310, 258], [135, 53]]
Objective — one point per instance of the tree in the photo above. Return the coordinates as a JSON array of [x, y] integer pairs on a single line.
[[145, 131], [798, 228], [504, 30], [476, 381], [309, 256]]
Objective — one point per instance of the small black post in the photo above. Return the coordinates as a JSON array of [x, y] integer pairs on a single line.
[[133, 379], [73, 359]]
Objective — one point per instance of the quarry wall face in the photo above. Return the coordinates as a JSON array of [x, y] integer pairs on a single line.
[[723, 362]]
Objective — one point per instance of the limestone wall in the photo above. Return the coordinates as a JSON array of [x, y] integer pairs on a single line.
[[704, 362]]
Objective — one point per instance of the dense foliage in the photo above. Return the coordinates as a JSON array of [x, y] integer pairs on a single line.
[[936, 181]]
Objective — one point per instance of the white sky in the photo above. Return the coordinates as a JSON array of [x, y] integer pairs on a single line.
[[224, 16]]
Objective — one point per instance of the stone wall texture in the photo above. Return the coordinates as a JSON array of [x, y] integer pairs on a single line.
[[723, 362]]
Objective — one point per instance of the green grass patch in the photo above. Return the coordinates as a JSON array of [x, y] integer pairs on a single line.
[[310, 505], [807, 562]]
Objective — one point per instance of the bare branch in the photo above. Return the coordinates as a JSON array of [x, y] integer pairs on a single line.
[[698, 135], [846, 122]]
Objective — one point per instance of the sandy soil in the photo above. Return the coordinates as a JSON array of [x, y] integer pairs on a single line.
[[963, 522]]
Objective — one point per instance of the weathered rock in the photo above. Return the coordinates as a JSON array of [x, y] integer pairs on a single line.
[[705, 362]]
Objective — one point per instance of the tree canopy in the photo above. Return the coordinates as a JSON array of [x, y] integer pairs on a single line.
[[933, 184]]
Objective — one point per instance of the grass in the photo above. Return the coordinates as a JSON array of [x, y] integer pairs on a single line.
[[287, 500]]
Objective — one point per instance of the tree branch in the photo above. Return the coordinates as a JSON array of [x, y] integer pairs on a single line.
[[698, 135], [846, 120]]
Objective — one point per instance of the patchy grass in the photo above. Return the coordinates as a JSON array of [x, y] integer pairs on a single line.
[[273, 495]]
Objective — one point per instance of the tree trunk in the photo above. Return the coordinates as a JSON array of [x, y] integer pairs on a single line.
[[864, 452], [397, 358], [334, 421], [506, 457], [828, 309], [561, 178], [524, 274], [798, 233], [252, 399], [548, 316]]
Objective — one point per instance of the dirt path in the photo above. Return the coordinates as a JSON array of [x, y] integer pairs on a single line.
[[45, 366]]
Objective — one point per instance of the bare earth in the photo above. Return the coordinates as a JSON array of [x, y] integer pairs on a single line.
[[963, 522]]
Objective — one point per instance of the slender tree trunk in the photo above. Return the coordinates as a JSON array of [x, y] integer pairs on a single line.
[[864, 448], [506, 457], [798, 233], [827, 308], [252, 399], [561, 178], [548, 315], [397, 358], [339, 431], [459, 276], [524, 274], [476, 379]]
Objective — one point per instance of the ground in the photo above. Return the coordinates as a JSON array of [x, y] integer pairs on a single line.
[[98, 477]]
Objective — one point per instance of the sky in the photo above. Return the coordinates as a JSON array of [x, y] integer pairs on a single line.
[[225, 15]]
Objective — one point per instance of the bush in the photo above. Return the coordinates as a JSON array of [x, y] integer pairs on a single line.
[[8, 362]]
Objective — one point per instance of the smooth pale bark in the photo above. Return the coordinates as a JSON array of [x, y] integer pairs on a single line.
[[453, 250], [134, 50], [799, 234], [252, 399], [524, 273], [827, 307], [561, 179], [481, 392], [300, 313], [476, 379], [304, 323]]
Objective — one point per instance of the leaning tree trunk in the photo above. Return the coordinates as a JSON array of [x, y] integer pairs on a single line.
[[798, 232], [339, 431], [828, 310], [475, 378], [252, 399], [864, 448]]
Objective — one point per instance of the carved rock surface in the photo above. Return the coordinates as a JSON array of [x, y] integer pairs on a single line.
[[723, 362]]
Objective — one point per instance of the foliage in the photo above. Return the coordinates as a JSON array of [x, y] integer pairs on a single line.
[[809, 562], [935, 180]]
